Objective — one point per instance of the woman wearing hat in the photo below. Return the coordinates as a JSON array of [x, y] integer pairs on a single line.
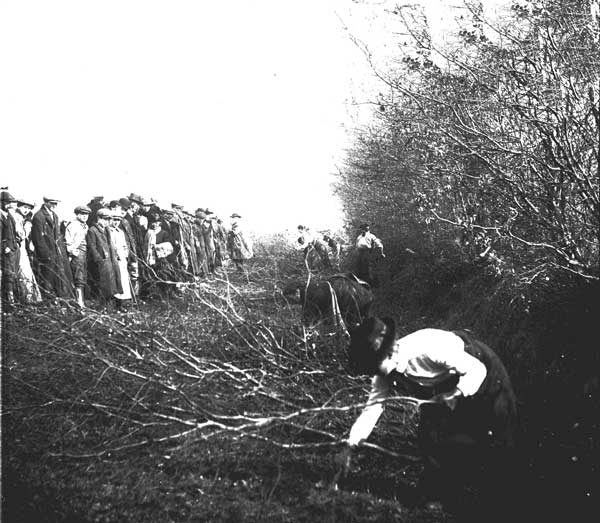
[[27, 286]]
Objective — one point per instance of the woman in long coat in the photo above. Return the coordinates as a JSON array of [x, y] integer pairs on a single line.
[[28, 288], [102, 260], [123, 255]]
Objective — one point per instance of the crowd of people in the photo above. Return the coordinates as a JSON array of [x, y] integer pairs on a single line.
[[114, 251]]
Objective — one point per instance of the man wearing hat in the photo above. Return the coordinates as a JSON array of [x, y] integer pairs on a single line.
[[238, 244], [97, 202], [10, 247], [208, 234], [53, 263], [368, 246], [201, 254], [178, 235], [102, 259], [128, 225], [75, 240]]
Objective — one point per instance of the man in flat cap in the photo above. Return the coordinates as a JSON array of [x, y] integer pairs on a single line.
[[75, 240], [53, 263], [129, 226], [102, 259]]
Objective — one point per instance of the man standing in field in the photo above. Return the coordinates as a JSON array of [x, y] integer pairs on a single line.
[[55, 271], [368, 246], [75, 240]]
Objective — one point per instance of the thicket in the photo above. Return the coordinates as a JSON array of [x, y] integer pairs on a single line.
[[489, 147]]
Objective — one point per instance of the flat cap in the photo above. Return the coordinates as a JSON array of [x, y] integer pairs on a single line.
[[104, 213], [48, 199], [82, 209]]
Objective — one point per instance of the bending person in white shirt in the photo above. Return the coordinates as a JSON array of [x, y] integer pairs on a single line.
[[473, 407]]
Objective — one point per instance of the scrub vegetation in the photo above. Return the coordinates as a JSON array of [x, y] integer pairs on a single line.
[[219, 406]]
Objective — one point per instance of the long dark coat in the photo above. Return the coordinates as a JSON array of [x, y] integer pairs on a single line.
[[128, 225], [51, 252], [200, 247], [11, 243], [102, 262]]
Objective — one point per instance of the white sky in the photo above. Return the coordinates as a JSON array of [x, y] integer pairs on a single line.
[[235, 105]]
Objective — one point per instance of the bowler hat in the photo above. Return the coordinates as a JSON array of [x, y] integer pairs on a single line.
[[125, 203], [82, 209], [7, 197], [136, 198]]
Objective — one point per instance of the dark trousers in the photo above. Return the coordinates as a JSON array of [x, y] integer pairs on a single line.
[[472, 444]]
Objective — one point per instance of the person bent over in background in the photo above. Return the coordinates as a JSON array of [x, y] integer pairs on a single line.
[[469, 420]]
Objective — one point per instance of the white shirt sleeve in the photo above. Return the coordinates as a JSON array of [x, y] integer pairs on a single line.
[[472, 372], [365, 423]]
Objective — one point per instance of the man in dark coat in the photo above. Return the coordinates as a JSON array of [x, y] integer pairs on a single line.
[[102, 260], [11, 247], [53, 263], [201, 254]]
